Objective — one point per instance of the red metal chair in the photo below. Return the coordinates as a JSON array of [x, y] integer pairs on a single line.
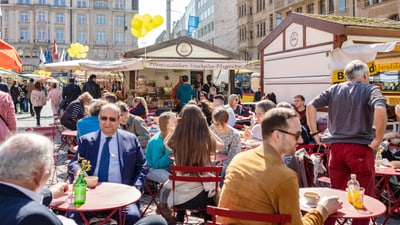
[[51, 133], [251, 216], [177, 171], [153, 194]]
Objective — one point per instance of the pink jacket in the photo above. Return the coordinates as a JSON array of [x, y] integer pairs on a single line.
[[8, 113]]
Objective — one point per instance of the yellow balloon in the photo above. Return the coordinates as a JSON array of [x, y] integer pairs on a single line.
[[136, 32], [144, 32], [136, 23], [157, 21], [146, 18], [71, 52]]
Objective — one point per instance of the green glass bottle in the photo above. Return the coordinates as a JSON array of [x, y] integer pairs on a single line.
[[80, 190]]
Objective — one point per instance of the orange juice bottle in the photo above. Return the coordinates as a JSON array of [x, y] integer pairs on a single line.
[[353, 187]]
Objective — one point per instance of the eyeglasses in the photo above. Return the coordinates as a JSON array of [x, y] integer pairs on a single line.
[[105, 118], [297, 135]]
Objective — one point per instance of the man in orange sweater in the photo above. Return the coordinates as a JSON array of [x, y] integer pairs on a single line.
[[259, 181]]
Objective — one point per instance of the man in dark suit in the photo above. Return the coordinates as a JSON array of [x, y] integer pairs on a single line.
[[26, 167], [115, 155]]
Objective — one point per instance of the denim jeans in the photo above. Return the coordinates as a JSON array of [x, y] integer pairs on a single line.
[[160, 176]]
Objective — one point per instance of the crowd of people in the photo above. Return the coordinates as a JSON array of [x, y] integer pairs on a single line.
[[111, 135]]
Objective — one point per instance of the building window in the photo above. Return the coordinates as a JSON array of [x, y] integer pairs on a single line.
[[310, 7], [119, 20], [62, 3], [23, 16], [100, 19], [41, 35], [24, 34], [81, 19], [271, 22], [42, 2], [82, 3], [41, 16], [342, 5], [322, 9], [368, 2], [100, 5], [60, 18], [119, 38], [135, 5], [119, 4], [81, 37], [101, 37], [56, 2], [331, 7], [299, 10], [278, 19], [60, 35]]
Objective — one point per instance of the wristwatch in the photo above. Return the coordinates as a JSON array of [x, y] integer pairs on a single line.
[[314, 133]]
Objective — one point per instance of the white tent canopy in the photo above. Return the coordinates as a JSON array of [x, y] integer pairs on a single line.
[[92, 65]]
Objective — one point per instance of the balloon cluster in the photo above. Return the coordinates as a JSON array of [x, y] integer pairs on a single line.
[[141, 25], [78, 51]]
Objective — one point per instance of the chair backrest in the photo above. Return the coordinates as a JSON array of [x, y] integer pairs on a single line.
[[49, 132], [242, 215], [175, 176]]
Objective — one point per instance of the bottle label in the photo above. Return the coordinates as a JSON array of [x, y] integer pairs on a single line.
[[80, 194]]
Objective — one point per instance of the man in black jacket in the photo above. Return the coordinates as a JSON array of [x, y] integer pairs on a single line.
[[70, 92], [92, 87]]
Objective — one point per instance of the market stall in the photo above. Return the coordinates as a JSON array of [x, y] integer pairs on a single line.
[[165, 62]]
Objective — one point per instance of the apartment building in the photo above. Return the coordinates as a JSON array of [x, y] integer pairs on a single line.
[[257, 18], [102, 25]]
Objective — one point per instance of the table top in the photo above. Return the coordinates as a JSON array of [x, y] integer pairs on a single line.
[[105, 196], [372, 207], [69, 133], [390, 171]]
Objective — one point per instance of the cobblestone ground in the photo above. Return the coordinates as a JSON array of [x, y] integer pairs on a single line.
[[25, 120]]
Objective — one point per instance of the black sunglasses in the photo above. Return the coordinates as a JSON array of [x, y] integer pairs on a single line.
[[105, 118], [297, 135]]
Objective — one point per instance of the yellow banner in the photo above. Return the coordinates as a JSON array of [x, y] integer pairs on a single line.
[[338, 76]]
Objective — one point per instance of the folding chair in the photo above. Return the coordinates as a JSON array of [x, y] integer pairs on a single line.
[[250, 216], [49, 132], [177, 171], [153, 194]]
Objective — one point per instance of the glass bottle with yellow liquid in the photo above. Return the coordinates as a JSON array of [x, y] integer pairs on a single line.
[[353, 192]]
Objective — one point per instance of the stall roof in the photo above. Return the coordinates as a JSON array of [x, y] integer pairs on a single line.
[[357, 29], [92, 65], [182, 48]]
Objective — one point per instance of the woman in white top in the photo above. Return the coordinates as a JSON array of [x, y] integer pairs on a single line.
[[38, 99], [262, 107], [55, 98]]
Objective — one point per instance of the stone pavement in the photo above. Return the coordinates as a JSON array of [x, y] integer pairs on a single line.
[[25, 120]]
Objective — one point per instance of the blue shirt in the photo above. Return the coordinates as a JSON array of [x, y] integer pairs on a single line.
[[87, 125], [156, 155]]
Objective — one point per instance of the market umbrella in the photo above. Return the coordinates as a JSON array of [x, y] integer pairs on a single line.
[[9, 58]]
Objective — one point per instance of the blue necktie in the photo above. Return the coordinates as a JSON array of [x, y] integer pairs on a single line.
[[104, 161]]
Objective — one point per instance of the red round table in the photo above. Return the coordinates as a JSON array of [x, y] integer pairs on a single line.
[[68, 137], [106, 196], [385, 173], [372, 207]]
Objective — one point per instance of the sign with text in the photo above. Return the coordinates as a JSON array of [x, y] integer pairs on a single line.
[[194, 65], [339, 76]]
